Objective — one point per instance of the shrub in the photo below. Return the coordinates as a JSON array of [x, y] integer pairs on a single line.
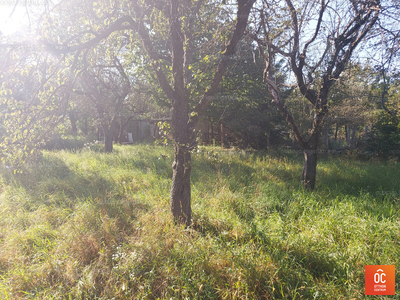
[[384, 139]]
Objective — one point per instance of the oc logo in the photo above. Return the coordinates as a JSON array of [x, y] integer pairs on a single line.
[[378, 277]]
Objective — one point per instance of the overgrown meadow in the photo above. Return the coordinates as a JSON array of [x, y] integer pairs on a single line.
[[90, 225]]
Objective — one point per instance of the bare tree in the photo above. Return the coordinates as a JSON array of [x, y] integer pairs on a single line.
[[387, 46], [318, 38]]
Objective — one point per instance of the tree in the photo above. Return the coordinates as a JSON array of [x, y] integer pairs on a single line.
[[35, 88], [183, 117], [107, 86], [179, 26], [384, 50], [351, 105], [318, 38], [243, 105], [384, 137]]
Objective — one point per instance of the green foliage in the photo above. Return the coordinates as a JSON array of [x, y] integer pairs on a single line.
[[93, 225], [384, 139], [243, 103], [64, 143], [33, 99], [165, 133]]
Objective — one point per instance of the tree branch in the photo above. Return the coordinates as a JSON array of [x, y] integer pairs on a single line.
[[242, 15]]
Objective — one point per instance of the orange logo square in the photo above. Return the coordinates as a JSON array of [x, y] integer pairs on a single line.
[[379, 280]]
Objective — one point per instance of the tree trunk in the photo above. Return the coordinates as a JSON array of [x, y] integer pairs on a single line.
[[73, 120], [222, 135], [85, 127], [347, 129], [336, 131], [309, 169], [353, 137], [108, 139], [310, 157], [180, 189], [109, 136], [212, 134]]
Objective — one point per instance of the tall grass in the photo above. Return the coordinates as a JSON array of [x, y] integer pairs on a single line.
[[90, 225]]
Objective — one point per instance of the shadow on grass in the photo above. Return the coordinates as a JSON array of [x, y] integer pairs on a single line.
[[207, 173], [52, 182], [352, 177], [340, 173], [310, 265]]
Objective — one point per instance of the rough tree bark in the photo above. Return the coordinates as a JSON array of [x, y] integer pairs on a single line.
[[180, 187], [109, 131], [108, 139], [309, 173]]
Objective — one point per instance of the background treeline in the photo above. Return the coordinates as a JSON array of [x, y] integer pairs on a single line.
[[241, 113]]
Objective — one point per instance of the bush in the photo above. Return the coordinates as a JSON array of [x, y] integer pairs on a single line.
[[60, 143], [384, 139]]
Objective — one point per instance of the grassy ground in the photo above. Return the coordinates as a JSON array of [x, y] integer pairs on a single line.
[[90, 225]]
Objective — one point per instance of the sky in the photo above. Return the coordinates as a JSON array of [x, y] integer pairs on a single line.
[[19, 20]]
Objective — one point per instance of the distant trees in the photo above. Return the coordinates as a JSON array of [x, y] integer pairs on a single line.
[[352, 106], [384, 136], [243, 105], [106, 85]]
